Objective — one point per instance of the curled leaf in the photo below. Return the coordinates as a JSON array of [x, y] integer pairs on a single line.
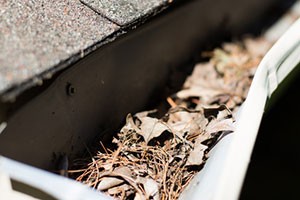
[[197, 154], [152, 128], [151, 188], [109, 182]]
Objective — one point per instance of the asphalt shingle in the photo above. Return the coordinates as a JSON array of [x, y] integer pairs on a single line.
[[36, 35], [124, 12]]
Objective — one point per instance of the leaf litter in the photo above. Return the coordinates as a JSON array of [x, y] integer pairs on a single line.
[[156, 158]]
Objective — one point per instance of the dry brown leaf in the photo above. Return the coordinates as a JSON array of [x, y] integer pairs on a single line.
[[139, 197], [152, 128], [234, 48], [123, 172], [257, 46], [151, 188], [197, 154], [119, 189], [219, 125], [109, 182], [205, 93], [130, 125], [202, 74], [145, 113], [187, 124]]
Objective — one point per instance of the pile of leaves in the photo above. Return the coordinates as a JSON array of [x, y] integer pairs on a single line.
[[227, 77], [156, 158]]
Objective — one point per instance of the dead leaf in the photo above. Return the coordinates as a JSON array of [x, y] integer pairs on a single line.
[[152, 128], [124, 172], [109, 182], [197, 154], [206, 93], [219, 125], [257, 46], [151, 188], [145, 113], [139, 197], [202, 75], [119, 189], [130, 125]]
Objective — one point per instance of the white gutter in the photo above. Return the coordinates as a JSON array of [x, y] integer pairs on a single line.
[[57, 186]]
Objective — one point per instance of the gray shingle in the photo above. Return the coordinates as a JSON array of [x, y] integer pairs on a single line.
[[36, 35], [124, 12]]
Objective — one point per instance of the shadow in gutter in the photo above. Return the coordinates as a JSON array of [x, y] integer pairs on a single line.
[[274, 169]]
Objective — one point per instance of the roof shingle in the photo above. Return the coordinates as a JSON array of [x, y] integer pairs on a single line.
[[36, 35]]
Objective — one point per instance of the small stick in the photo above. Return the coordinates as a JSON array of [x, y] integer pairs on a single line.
[[171, 102], [103, 147]]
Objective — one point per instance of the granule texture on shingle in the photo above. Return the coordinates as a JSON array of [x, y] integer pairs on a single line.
[[36, 35], [124, 12]]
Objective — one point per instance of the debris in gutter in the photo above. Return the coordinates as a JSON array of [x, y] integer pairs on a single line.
[[226, 78], [156, 158]]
